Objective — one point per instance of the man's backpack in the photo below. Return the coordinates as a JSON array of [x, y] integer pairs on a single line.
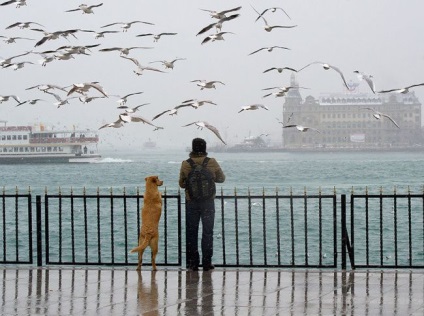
[[200, 183]]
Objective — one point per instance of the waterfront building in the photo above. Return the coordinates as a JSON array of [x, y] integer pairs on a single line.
[[344, 122]]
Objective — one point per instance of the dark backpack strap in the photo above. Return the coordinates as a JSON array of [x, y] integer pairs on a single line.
[[191, 162], [205, 162]]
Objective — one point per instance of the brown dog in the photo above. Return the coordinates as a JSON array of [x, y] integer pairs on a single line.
[[150, 216]]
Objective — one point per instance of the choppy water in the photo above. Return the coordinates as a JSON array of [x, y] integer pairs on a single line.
[[243, 170]]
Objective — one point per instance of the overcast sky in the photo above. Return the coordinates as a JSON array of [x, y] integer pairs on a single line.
[[378, 37]]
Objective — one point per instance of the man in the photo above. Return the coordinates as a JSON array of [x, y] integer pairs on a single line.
[[203, 209]]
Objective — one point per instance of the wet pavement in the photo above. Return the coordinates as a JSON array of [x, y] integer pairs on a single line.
[[107, 291]]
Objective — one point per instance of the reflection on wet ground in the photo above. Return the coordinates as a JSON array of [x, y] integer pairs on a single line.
[[28, 291]]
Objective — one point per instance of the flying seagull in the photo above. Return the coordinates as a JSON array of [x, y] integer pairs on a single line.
[[367, 78], [122, 50], [327, 67], [22, 25], [32, 101], [167, 64], [401, 90], [19, 3], [140, 68], [273, 9], [268, 27], [279, 69], [60, 101], [4, 62], [203, 84], [220, 14], [46, 87], [100, 34], [215, 37], [86, 9], [378, 115], [253, 107], [301, 128], [117, 124], [173, 111], [156, 37], [52, 36], [131, 110], [126, 117], [218, 25], [84, 87], [4, 98], [126, 25], [203, 124], [18, 65], [197, 103], [123, 99], [269, 49], [10, 40]]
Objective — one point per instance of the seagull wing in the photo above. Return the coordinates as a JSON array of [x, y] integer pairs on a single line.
[[135, 61], [215, 131], [370, 83], [138, 106], [258, 50], [134, 93], [95, 5], [111, 24], [415, 85], [160, 114], [190, 124], [393, 121], [341, 74], [230, 10], [206, 28], [73, 10], [151, 68], [98, 88], [141, 119], [58, 98], [145, 34], [315, 62]]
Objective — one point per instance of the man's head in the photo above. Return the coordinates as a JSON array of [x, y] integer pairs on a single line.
[[199, 146]]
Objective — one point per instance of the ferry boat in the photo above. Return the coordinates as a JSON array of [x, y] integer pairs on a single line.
[[36, 144]]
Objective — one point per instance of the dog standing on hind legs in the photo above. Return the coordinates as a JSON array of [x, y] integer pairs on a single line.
[[150, 216]]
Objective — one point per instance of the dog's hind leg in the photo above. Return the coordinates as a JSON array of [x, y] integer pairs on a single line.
[[154, 245]]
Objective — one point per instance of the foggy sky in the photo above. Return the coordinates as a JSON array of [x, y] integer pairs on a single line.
[[379, 37]]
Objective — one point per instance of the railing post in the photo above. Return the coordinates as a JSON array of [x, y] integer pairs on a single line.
[[344, 230], [39, 231]]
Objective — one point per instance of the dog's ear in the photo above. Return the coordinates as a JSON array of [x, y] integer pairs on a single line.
[[145, 179]]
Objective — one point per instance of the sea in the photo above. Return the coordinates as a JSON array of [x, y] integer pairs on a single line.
[[254, 172]]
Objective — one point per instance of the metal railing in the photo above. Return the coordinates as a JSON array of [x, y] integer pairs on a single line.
[[299, 230]]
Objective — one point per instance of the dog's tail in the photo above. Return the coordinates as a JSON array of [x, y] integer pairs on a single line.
[[143, 245]]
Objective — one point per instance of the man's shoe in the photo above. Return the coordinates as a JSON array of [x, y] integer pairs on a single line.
[[208, 267], [193, 268]]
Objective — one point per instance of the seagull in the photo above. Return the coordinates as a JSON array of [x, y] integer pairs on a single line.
[[131, 110], [64, 56], [367, 78], [269, 49], [273, 9], [46, 59], [220, 14], [279, 69], [126, 25], [401, 90], [140, 68], [197, 103], [4, 98], [55, 35], [218, 25], [4, 62], [84, 87], [86, 9], [123, 50], [22, 25], [117, 124], [202, 124], [327, 67], [19, 3], [126, 117], [173, 111], [301, 128], [33, 101], [378, 115], [284, 89], [46, 87], [100, 34], [123, 99], [87, 99], [203, 84], [253, 107], [10, 40], [60, 101], [156, 37], [215, 37], [18, 65], [167, 64], [276, 94]]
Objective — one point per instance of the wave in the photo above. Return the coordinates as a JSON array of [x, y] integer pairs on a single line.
[[113, 160]]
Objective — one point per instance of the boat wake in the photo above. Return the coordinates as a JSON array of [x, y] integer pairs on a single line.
[[112, 160]]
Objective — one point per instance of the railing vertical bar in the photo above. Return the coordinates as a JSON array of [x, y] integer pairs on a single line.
[[236, 222], [4, 225], [293, 260], [112, 243], [60, 228], [39, 231], [395, 230], [179, 229], [223, 228], [305, 203], [126, 227], [381, 228], [16, 226], [264, 225], [47, 227], [343, 229], [367, 228], [320, 227], [72, 226], [335, 238], [165, 223], [85, 225], [410, 227], [352, 234], [249, 208], [99, 248], [277, 213], [30, 228]]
